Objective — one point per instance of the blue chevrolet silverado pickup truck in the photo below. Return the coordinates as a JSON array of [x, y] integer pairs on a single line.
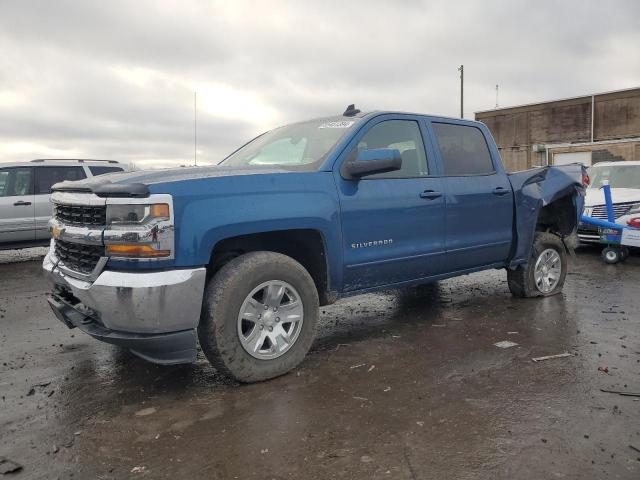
[[238, 257]]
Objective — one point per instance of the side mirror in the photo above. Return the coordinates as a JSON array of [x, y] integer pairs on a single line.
[[370, 161]]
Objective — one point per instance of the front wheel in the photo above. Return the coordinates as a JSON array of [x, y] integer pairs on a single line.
[[259, 317], [612, 255], [545, 272]]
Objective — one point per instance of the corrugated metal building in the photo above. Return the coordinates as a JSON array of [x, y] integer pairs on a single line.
[[587, 129]]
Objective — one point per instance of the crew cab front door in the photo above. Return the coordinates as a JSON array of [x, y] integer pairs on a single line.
[[392, 223], [17, 222]]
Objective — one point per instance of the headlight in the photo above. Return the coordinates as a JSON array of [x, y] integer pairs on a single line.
[[136, 214], [142, 231]]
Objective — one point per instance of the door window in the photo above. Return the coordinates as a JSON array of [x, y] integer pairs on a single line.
[[15, 182], [463, 150], [404, 136], [47, 176]]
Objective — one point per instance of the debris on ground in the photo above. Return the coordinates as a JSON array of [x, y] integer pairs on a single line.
[[619, 392], [603, 369], [505, 344], [371, 368], [512, 333], [388, 389], [138, 469], [145, 411], [632, 447], [9, 466], [549, 357], [342, 345], [357, 366]]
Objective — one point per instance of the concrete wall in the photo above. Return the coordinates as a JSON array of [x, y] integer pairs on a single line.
[[517, 129]]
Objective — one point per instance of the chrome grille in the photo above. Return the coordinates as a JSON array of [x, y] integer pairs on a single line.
[[80, 214], [78, 257], [619, 209]]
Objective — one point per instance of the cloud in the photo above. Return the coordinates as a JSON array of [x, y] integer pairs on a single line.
[[116, 79]]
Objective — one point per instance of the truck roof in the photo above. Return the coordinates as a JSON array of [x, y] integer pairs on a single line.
[[62, 162]]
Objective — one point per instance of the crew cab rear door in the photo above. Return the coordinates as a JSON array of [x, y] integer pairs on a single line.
[[479, 197], [392, 223]]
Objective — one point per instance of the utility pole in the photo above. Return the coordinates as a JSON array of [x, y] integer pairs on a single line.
[[461, 70], [195, 130], [496, 95]]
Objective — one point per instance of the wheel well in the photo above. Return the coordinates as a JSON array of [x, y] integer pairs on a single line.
[[304, 246], [558, 217]]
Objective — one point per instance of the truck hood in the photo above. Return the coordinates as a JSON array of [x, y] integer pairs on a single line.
[[135, 184], [595, 196]]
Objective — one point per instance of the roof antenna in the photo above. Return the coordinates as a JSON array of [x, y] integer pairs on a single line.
[[351, 111]]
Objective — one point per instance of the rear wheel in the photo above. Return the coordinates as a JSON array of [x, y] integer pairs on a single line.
[[259, 318], [545, 272]]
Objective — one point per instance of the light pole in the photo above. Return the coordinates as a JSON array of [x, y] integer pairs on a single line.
[[461, 70], [195, 131]]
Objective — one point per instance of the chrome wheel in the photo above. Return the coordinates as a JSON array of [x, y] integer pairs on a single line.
[[270, 320], [547, 270]]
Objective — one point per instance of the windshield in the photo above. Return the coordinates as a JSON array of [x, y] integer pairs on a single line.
[[619, 176], [298, 145]]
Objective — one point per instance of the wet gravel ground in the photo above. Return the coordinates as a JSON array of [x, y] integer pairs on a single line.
[[401, 385]]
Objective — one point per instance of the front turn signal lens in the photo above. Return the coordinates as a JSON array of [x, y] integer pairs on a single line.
[[136, 251], [160, 210]]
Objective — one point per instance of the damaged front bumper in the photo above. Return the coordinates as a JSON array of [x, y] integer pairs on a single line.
[[154, 314]]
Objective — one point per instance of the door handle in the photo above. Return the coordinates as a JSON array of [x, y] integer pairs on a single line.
[[430, 194], [501, 191], [20, 203]]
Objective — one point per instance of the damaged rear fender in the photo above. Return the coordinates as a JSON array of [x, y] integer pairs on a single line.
[[546, 198]]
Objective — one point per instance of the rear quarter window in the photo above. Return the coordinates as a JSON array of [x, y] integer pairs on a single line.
[[48, 176], [463, 150], [102, 170]]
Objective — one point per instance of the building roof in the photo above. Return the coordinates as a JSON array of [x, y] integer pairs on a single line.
[[533, 104]]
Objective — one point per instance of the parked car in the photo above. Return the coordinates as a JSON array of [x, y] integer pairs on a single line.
[[241, 255], [25, 208], [624, 179]]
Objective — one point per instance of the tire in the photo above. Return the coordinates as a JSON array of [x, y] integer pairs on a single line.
[[222, 330], [624, 252], [612, 255], [522, 279]]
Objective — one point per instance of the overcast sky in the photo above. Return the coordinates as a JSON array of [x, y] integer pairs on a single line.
[[112, 79]]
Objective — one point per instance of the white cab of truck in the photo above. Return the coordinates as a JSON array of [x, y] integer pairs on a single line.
[[624, 180], [25, 187]]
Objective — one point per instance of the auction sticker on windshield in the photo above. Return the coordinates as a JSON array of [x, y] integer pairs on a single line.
[[341, 124]]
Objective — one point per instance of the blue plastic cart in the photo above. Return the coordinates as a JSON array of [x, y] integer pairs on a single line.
[[617, 237]]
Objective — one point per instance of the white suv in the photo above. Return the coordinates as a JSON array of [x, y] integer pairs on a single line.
[[25, 208], [624, 179]]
